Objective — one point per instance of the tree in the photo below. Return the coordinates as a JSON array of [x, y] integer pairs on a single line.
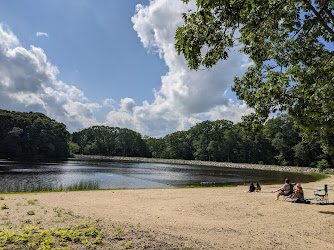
[[291, 45], [281, 134], [156, 147], [32, 136], [178, 145], [105, 140], [200, 134]]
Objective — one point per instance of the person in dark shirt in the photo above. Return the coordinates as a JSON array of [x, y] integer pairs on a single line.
[[251, 188]]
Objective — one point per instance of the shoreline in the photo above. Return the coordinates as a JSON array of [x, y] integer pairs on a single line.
[[208, 163], [196, 218], [179, 218]]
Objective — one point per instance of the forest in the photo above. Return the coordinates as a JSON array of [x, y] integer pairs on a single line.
[[277, 142], [32, 136]]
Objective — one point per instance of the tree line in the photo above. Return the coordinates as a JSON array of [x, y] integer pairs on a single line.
[[31, 136], [277, 142]]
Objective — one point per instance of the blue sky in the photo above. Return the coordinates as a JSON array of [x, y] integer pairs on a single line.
[[111, 63]]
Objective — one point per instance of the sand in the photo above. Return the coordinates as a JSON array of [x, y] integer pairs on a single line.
[[188, 218]]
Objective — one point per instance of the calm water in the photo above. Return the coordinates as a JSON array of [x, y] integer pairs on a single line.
[[110, 175]]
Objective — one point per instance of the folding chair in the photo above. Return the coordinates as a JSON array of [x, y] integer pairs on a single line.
[[322, 194]]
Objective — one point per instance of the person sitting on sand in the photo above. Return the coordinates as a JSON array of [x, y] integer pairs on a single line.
[[258, 187], [284, 190], [251, 188], [299, 194]]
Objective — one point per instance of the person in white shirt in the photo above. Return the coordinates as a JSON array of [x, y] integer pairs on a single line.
[[284, 190]]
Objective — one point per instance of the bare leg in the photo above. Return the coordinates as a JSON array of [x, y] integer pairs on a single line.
[[278, 194]]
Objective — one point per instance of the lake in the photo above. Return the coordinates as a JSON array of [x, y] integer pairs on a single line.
[[115, 175]]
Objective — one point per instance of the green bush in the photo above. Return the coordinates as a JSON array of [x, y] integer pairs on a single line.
[[323, 164]]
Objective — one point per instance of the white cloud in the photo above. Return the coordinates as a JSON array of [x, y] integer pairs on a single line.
[[127, 104], [7, 38], [38, 34], [28, 82], [109, 102], [184, 95], [232, 111]]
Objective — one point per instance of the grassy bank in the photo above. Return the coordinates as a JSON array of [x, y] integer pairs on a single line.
[[31, 188]]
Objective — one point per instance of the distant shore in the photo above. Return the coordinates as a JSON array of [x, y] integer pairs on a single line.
[[207, 163]]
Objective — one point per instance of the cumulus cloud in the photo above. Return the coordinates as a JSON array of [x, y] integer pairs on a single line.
[[28, 82], [127, 104], [185, 95], [38, 34], [109, 102]]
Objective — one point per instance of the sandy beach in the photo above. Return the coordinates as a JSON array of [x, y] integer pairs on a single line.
[[187, 218]]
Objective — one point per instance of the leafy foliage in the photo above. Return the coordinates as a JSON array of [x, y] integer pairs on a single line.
[[35, 238], [104, 140], [277, 143], [291, 45], [32, 136]]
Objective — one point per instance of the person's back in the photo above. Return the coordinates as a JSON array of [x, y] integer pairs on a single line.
[[286, 188], [251, 188]]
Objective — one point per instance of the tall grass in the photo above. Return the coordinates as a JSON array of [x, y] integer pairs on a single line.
[[25, 187]]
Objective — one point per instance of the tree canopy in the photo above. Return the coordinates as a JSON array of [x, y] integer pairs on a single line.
[[35, 136], [291, 45], [30, 136], [275, 143], [105, 140]]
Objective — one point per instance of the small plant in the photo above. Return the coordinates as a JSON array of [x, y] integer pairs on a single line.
[[8, 224], [118, 234], [4, 206], [58, 212], [97, 221], [32, 202], [128, 244], [2, 198], [31, 212]]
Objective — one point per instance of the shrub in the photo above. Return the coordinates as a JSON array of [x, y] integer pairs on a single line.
[[323, 164]]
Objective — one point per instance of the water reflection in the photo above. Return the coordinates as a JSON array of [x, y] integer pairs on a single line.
[[109, 174]]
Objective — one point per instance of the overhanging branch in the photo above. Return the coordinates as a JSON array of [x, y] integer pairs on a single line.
[[319, 17]]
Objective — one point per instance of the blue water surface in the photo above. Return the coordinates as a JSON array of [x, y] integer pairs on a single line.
[[115, 175]]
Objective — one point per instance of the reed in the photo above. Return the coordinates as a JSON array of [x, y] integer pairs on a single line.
[[26, 187]]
